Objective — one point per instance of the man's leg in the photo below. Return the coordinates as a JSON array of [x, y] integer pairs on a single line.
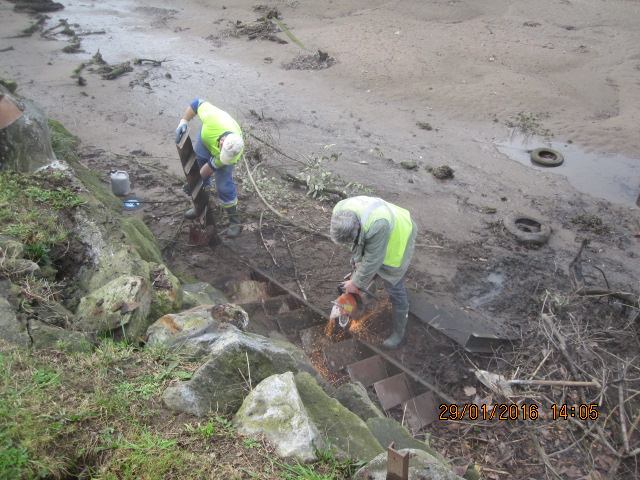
[[227, 195], [202, 157], [400, 312]]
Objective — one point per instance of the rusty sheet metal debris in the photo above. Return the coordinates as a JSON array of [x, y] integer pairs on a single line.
[[474, 334], [368, 371], [393, 391], [397, 464], [341, 354], [421, 410], [8, 111]]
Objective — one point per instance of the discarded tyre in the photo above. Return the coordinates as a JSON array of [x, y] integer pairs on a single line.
[[547, 157], [527, 230]]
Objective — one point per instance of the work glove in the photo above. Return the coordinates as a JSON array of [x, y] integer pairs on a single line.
[[182, 127]]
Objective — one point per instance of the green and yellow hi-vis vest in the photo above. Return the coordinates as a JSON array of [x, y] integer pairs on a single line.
[[370, 209]]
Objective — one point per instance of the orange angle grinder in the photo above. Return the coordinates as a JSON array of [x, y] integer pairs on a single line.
[[347, 304]]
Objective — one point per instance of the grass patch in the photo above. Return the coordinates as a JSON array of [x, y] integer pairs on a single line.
[[31, 206], [100, 415]]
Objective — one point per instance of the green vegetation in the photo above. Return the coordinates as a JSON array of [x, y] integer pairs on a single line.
[[529, 124], [63, 143], [321, 182], [100, 415], [33, 206], [29, 210]]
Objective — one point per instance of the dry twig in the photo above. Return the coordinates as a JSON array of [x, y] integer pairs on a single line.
[[265, 243]]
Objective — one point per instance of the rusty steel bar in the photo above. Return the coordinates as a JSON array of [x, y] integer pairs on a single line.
[[397, 464]]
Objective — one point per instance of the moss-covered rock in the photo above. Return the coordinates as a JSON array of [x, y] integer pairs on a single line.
[[354, 396], [167, 291], [118, 310], [25, 143], [139, 235], [388, 431], [236, 362], [421, 466], [201, 293], [343, 428]]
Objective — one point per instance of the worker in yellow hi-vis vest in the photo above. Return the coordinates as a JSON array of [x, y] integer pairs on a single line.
[[382, 238], [218, 147]]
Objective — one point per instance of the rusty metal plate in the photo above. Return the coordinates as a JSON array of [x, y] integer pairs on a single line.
[[368, 371], [8, 111], [393, 391], [421, 410], [314, 338], [341, 354]]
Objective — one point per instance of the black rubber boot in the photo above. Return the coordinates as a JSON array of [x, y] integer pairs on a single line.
[[400, 318], [235, 223]]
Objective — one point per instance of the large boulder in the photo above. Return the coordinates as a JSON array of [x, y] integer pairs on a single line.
[[236, 362], [191, 333], [201, 293], [118, 310], [388, 431], [167, 292], [348, 435], [13, 331], [274, 410], [355, 397], [25, 141], [45, 336]]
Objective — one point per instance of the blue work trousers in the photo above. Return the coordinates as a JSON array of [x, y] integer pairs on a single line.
[[225, 186], [397, 293]]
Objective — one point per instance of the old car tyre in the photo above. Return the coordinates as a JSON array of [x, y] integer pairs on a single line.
[[547, 157], [527, 230]]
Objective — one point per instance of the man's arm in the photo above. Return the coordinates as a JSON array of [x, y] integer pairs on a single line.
[[188, 114], [375, 249]]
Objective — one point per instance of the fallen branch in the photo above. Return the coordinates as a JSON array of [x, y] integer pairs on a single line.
[[155, 63], [543, 455], [293, 179], [255, 186], [629, 299], [275, 148], [623, 413], [265, 243], [575, 271], [562, 345], [295, 269]]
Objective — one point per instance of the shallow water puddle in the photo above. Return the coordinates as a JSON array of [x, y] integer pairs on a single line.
[[497, 281], [613, 177]]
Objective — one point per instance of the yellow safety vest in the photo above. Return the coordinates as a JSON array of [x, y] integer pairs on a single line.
[[370, 209], [216, 122]]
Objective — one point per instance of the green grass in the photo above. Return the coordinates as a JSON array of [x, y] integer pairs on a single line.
[[100, 414], [30, 207]]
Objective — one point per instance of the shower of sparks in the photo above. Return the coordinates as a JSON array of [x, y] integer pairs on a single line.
[[365, 327]]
